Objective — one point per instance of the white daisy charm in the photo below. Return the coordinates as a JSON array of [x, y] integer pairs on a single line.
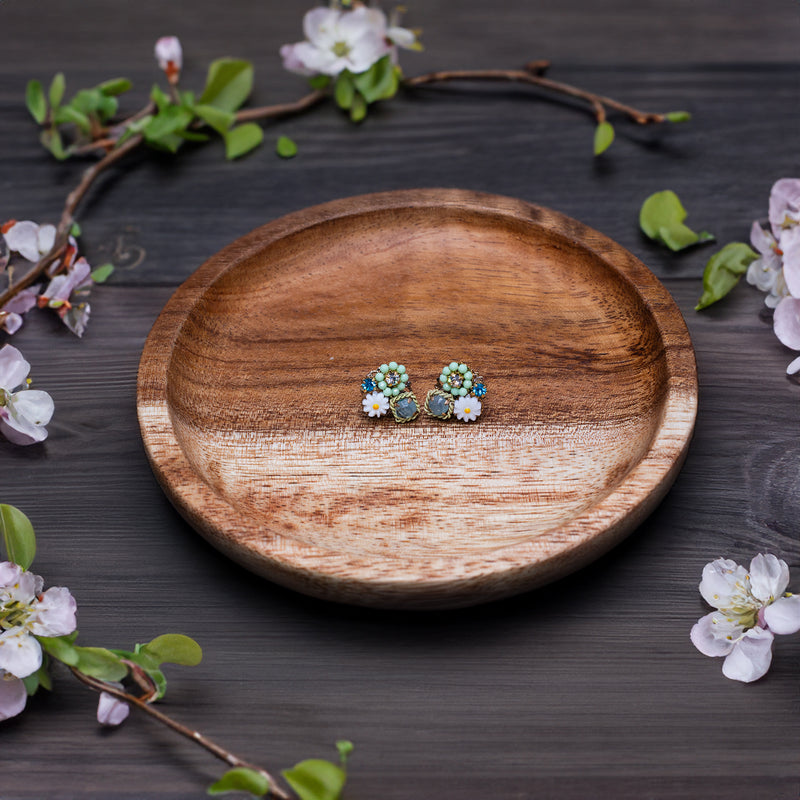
[[375, 404], [467, 409]]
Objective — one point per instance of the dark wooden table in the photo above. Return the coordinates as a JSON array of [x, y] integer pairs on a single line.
[[588, 688]]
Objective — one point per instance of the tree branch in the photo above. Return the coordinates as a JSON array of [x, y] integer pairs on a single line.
[[532, 75], [282, 109], [212, 747]]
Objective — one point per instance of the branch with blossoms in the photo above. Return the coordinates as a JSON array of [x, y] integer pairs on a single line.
[[350, 57], [38, 632]]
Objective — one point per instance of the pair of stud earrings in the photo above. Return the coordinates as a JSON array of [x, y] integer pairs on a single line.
[[457, 393]]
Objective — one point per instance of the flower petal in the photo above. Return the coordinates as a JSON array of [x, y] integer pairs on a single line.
[[46, 238], [786, 322], [783, 616], [719, 582], [751, 656], [794, 367], [769, 577], [54, 614], [111, 711], [168, 49], [13, 368], [784, 200], [20, 653], [23, 238], [712, 636], [13, 696]]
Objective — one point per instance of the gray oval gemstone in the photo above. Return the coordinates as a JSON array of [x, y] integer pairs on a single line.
[[406, 408], [438, 405]]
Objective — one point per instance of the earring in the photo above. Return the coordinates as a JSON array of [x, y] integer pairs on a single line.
[[458, 392], [388, 388]]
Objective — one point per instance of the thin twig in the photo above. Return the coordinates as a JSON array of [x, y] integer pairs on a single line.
[[282, 109], [212, 747], [597, 101], [65, 223]]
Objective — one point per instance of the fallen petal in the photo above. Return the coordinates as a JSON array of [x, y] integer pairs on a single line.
[[13, 368]]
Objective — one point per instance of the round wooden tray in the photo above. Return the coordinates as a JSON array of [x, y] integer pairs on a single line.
[[250, 404]]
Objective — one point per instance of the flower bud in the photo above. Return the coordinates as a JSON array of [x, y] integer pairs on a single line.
[[169, 55]]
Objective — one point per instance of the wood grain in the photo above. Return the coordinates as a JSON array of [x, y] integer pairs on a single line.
[[250, 407]]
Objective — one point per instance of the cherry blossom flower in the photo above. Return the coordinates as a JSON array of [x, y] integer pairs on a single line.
[[57, 295], [375, 404], [169, 55], [22, 302], [29, 239], [24, 412], [751, 607], [467, 409], [25, 613], [110, 710], [338, 40]]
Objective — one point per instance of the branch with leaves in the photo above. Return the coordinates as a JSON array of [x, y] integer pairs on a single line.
[[38, 631]]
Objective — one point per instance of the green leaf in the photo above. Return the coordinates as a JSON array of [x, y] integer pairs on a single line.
[[100, 663], [18, 536], [344, 90], [358, 110], [34, 100], [65, 114], [241, 779], [345, 748], [75, 230], [286, 147], [723, 271], [193, 136], [678, 116], [319, 82], [316, 779], [174, 648], [51, 139], [57, 87], [115, 86], [102, 273], [603, 137], [61, 648], [661, 218], [379, 82], [159, 97], [218, 119], [242, 139], [39, 678], [166, 123], [228, 84]]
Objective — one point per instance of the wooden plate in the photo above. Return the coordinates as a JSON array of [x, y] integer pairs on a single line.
[[250, 403]]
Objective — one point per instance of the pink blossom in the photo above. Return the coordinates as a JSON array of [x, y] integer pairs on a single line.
[[169, 55], [29, 239]]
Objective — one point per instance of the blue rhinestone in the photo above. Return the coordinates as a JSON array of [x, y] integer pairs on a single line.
[[367, 385], [479, 390]]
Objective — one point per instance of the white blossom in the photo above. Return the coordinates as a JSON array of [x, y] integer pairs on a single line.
[[29, 239], [751, 607], [169, 54], [25, 613], [24, 412]]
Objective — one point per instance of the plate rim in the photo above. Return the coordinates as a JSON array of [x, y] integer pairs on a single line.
[[422, 581]]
